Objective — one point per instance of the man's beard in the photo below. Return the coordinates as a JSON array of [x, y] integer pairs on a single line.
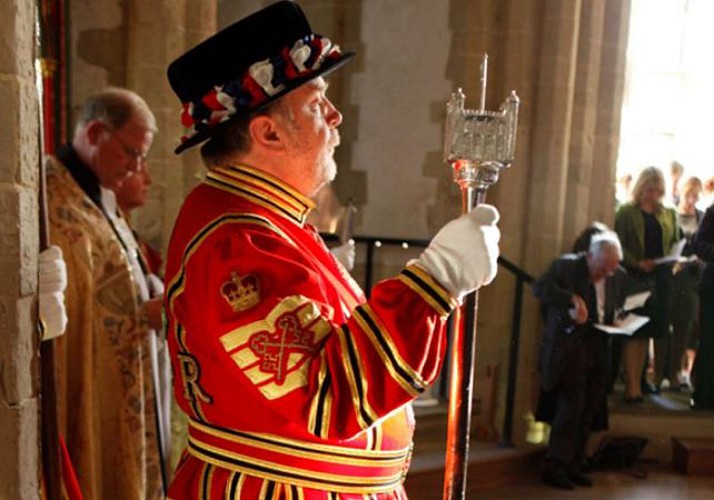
[[328, 172]]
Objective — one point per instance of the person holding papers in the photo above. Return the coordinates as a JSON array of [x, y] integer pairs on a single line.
[[578, 291], [684, 292], [648, 230]]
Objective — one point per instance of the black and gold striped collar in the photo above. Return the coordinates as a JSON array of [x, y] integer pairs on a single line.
[[263, 189]]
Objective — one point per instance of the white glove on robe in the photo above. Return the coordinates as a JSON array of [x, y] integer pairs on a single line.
[[52, 283]]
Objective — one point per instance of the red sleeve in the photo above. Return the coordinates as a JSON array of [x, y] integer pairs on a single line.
[[260, 338]]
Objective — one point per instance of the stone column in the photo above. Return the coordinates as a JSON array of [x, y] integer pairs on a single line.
[[549, 153], [585, 108], [616, 26], [97, 50], [19, 167], [596, 115]]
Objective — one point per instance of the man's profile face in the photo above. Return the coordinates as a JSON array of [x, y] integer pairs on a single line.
[[309, 122], [134, 191], [121, 152]]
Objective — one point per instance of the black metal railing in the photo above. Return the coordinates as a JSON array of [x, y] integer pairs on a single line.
[[522, 278]]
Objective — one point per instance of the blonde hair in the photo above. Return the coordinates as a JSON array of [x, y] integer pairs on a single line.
[[690, 185], [650, 176]]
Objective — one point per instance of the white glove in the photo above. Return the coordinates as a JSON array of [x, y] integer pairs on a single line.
[[156, 286], [52, 283], [345, 254], [463, 255]]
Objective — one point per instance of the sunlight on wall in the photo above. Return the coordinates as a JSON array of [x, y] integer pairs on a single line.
[[668, 105]]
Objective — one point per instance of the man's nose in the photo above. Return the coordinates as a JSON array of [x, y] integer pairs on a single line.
[[334, 117]]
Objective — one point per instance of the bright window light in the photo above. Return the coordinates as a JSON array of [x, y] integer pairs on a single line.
[[668, 108]]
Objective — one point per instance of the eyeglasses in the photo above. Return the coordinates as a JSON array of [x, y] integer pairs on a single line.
[[131, 152]]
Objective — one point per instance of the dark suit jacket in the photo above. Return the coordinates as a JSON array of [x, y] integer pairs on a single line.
[[703, 245], [565, 345]]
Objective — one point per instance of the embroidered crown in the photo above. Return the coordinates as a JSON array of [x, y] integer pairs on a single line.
[[241, 292]]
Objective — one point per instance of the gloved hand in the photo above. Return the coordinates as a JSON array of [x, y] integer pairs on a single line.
[[156, 286], [345, 254], [463, 255], [52, 283]]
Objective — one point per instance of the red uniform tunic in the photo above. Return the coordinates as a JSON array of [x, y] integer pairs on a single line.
[[296, 387]]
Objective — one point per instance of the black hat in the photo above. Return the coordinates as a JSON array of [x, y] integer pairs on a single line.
[[248, 65]]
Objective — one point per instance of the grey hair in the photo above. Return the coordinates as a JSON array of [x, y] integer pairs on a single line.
[[115, 106], [606, 239]]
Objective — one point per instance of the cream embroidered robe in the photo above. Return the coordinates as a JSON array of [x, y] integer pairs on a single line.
[[105, 393]]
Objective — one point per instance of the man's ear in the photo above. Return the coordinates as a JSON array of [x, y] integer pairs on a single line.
[[94, 129], [265, 133]]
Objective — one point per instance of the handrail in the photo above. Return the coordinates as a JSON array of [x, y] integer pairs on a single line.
[[517, 271], [521, 276]]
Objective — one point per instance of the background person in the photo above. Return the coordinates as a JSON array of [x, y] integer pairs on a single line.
[[105, 390], [578, 290], [134, 193], [623, 189], [707, 197], [703, 369], [684, 293], [647, 230], [676, 171], [262, 317]]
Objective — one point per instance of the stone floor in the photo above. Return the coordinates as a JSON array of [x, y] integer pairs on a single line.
[[662, 483], [665, 400]]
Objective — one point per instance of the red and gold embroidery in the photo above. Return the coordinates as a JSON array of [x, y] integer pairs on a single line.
[[241, 292], [190, 375], [274, 352]]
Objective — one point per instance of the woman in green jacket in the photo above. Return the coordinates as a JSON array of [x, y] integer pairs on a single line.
[[647, 231]]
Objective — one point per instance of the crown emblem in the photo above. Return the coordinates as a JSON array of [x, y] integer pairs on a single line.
[[241, 292]]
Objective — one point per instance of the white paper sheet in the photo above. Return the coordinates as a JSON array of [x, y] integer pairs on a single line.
[[626, 326], [636, 300], [675, 254]]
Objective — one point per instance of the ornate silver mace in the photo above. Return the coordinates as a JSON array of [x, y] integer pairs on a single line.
[[478, 144]]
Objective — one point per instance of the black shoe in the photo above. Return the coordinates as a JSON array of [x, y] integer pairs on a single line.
[[558, 478], [634, 401], [579, 478], [648, 388], [698, 406]]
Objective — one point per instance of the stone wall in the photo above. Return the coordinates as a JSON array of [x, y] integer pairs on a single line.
[[19, 167]]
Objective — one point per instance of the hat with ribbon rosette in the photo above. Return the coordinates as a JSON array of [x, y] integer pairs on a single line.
[[246, 66]]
